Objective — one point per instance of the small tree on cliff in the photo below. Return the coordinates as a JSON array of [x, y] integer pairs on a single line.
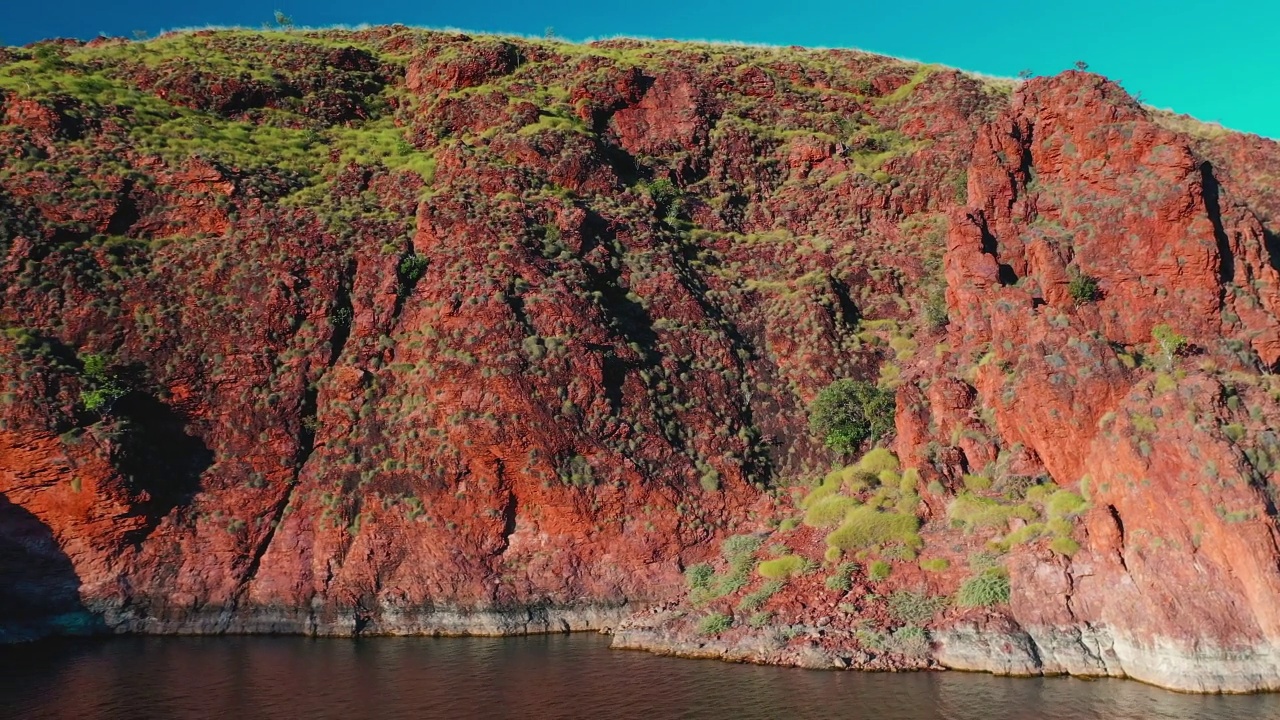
[[1082, 288], [849, 412], [1169, 341], [100, 387]]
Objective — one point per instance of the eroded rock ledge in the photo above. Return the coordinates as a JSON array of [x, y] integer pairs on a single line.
[[325, 622], [1080, 652]]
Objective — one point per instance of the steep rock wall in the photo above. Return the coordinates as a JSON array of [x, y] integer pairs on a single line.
[[424, 332]]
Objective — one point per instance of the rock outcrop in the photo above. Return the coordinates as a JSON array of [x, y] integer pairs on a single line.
[[394, 331]]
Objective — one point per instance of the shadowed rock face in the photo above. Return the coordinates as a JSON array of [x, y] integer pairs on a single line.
[[426, 333]]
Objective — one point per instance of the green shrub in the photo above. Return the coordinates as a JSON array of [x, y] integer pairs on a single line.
[[841, 579], [849, 412], [977, 482], [988, 588], [664, 194], [935, 310], [1039, 493], [877, 461], [871, 639], [910, 641], [714, 623], [1064, 503], [411, 268], [1026, 533], [889, 479], [975, 512], [819, 493], [829, 511], [910, 481], [1165, 383], [914, 608], [1170, 342], [1064, 546], [983, 560], [668, 200], [783, 567], [789, 524], [856, 480], [340, 317], [698, 577], [706, 585], [760, 619], [1059, 526], [878, 570], [761, 595], [737, 548], [1234, 432], [1082, 288], [935, 564], [907, 504], [101, 388], [898, 552], [576, 471], [865, 526]]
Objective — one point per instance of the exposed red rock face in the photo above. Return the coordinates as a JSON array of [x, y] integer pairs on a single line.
[[429, 333], [1179, 562]]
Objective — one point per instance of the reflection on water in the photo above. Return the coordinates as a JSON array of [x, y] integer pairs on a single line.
[[536, 677]]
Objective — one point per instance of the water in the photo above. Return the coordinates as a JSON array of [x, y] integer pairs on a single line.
[[244, 678]]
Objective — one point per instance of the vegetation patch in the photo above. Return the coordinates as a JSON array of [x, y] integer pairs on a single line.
[[101, 387], [1083, 288], [865, 527], [910, 641], [714, 623], [988, 588], [1064, 546], [848, 413], [971, 512], [784, 567], [706, 585], [829, 511], [758, 597], [879, 570], [915, 608], [935, 564], [842, 579]]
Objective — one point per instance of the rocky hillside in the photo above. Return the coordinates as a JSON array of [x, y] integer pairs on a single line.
[[395, 331]]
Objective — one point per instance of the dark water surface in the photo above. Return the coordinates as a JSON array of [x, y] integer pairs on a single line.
[[241, 678]]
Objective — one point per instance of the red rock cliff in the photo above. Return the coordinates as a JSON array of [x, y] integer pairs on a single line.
[[422, 332]]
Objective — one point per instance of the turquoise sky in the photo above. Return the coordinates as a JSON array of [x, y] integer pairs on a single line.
[[1216, 60]]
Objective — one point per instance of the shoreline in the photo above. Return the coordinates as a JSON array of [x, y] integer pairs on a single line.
[[1007, 653], [325, 622], [1021, 652]]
